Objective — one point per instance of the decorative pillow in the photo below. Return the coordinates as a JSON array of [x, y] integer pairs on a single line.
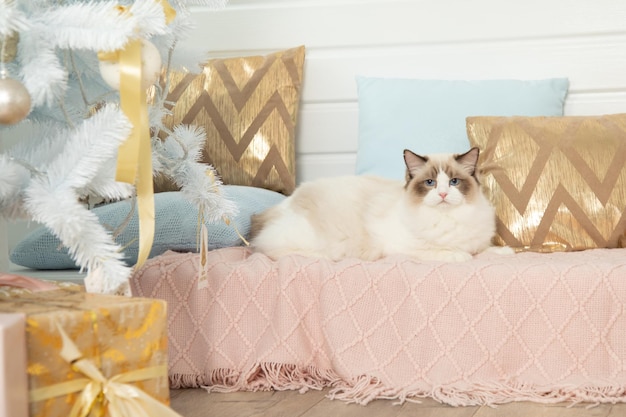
[[176, 228], [558, 183], [248, 106], [428, 116]]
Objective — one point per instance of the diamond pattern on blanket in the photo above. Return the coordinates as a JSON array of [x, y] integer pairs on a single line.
[[542, 327]]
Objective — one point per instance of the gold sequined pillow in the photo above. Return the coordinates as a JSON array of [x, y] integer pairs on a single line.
[[558, 183], [248, 107]]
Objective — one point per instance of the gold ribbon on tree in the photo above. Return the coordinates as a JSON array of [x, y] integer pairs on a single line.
[[97, 393], [134, 162]]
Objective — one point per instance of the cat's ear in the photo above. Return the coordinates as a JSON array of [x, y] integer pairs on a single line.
[[414, 163], [468, 160]]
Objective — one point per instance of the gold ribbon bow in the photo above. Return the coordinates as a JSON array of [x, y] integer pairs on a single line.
[[120, 398], [134, 162]]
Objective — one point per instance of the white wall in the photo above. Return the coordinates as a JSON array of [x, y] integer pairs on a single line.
[[583, 40]]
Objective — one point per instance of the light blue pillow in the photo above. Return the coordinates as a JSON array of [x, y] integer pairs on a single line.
[[176, 222], [428, 116]]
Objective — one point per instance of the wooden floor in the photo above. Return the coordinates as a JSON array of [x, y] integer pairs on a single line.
[[199, 403]]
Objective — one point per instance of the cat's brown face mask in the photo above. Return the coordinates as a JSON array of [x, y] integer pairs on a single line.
[[442, 180]]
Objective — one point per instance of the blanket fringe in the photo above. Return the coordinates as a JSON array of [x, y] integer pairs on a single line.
[[364, 389], [261, 377], [492, 394]]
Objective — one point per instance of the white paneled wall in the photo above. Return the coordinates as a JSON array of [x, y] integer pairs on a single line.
[[447, 39]]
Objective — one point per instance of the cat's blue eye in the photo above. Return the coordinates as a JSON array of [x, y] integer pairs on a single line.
[[454, 182], [430, 183]]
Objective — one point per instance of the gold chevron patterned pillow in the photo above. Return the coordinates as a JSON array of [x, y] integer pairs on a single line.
[[558, 183], [248, 107]]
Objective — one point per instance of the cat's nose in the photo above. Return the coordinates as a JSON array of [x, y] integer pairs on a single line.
[[443, 195]]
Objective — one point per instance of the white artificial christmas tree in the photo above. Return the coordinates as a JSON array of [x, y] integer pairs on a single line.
[[70, 123]]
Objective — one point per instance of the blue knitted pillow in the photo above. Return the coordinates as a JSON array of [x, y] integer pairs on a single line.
[[176, 227], [428, 116]]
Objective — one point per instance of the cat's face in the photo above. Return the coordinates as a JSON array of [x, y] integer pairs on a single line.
[[443, 180]]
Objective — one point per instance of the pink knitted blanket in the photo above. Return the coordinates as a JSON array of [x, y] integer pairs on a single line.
[[538, 327]]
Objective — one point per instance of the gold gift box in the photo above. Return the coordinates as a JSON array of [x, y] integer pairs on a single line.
[[119, 335]]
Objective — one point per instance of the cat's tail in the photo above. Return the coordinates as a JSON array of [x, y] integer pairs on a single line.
[[257, 222]]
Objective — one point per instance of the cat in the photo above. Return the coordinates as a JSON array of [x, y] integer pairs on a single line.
[[439, 213]]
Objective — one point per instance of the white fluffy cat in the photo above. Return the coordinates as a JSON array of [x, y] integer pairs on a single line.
[[439, 213]]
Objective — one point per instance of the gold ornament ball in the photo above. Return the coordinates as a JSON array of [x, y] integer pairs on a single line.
[[14, 101], [150, 67]]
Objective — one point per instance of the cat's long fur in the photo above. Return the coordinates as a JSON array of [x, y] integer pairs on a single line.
[[439, 213]]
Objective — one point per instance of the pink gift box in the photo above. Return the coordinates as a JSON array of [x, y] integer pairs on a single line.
[[26, 283], [13, 377]]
